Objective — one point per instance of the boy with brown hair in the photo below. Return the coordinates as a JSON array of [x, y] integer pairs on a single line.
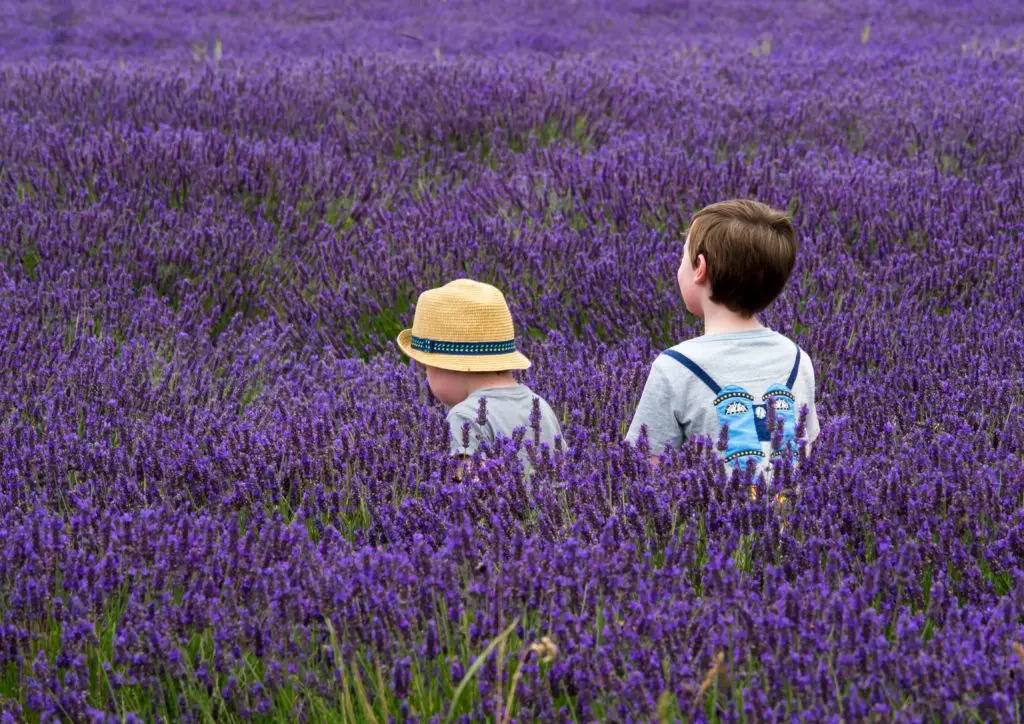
[[740, 384]]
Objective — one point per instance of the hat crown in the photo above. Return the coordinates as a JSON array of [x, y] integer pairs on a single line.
[[463, 311]]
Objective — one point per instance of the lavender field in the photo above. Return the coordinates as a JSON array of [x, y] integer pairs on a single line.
[[225, 495]]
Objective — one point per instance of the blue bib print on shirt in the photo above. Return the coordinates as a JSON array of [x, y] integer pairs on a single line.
[[747, 417]]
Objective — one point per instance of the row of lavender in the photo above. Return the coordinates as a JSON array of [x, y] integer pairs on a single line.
[[224, 495]]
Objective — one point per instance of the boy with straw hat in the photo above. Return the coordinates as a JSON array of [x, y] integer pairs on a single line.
[[463, 334]]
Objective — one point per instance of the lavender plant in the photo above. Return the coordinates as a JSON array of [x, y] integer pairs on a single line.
[[225, 496]]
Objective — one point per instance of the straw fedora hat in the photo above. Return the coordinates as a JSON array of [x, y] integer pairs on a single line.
[[463, 326]]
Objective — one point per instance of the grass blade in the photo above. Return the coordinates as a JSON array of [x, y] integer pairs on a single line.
[[476, 667]]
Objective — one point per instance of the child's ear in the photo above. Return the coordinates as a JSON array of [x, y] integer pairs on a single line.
[[700, 271]]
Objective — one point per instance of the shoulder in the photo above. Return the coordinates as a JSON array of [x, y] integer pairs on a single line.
[[669, 374], [464, 411], [806, 368], [704, 349], [789, 344], [530, 395], [806, 362], [674, 361], [689, 346]]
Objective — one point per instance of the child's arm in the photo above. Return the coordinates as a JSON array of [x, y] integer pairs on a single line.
[[656, 411], [464, 434], [812, 429], [811, 425]]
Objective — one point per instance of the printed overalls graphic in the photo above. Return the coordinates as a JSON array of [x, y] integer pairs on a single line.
[[748, 419]]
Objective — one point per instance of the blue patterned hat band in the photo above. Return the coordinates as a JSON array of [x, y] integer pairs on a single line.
[[434, 346]]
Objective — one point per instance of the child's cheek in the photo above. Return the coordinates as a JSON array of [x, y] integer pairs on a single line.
[[687, 291], [432, 383], [693, 303], [440, 388]]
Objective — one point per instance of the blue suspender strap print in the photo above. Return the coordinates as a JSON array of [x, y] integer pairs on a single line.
[[796, 368], [735, 408], [715, 387], [695, 369], [784, 403], [746, 420]]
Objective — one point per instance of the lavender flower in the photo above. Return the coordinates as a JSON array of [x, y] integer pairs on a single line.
[[224, 494]]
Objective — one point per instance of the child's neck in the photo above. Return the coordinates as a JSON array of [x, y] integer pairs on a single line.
[[722, 320], [482, 380]]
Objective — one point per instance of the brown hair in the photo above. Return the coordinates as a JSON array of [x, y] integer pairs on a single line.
[[749, 248]]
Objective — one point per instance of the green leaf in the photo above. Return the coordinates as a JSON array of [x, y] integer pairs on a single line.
[[476, 666]]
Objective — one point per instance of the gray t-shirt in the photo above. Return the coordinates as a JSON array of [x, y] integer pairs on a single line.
[[676, 405], [507, 409]]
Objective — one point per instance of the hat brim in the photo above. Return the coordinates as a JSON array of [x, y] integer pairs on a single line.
[[463, 363]]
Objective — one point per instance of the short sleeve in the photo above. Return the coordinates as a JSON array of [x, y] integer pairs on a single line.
[[656, 411], [458, 419], [812, 427]]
